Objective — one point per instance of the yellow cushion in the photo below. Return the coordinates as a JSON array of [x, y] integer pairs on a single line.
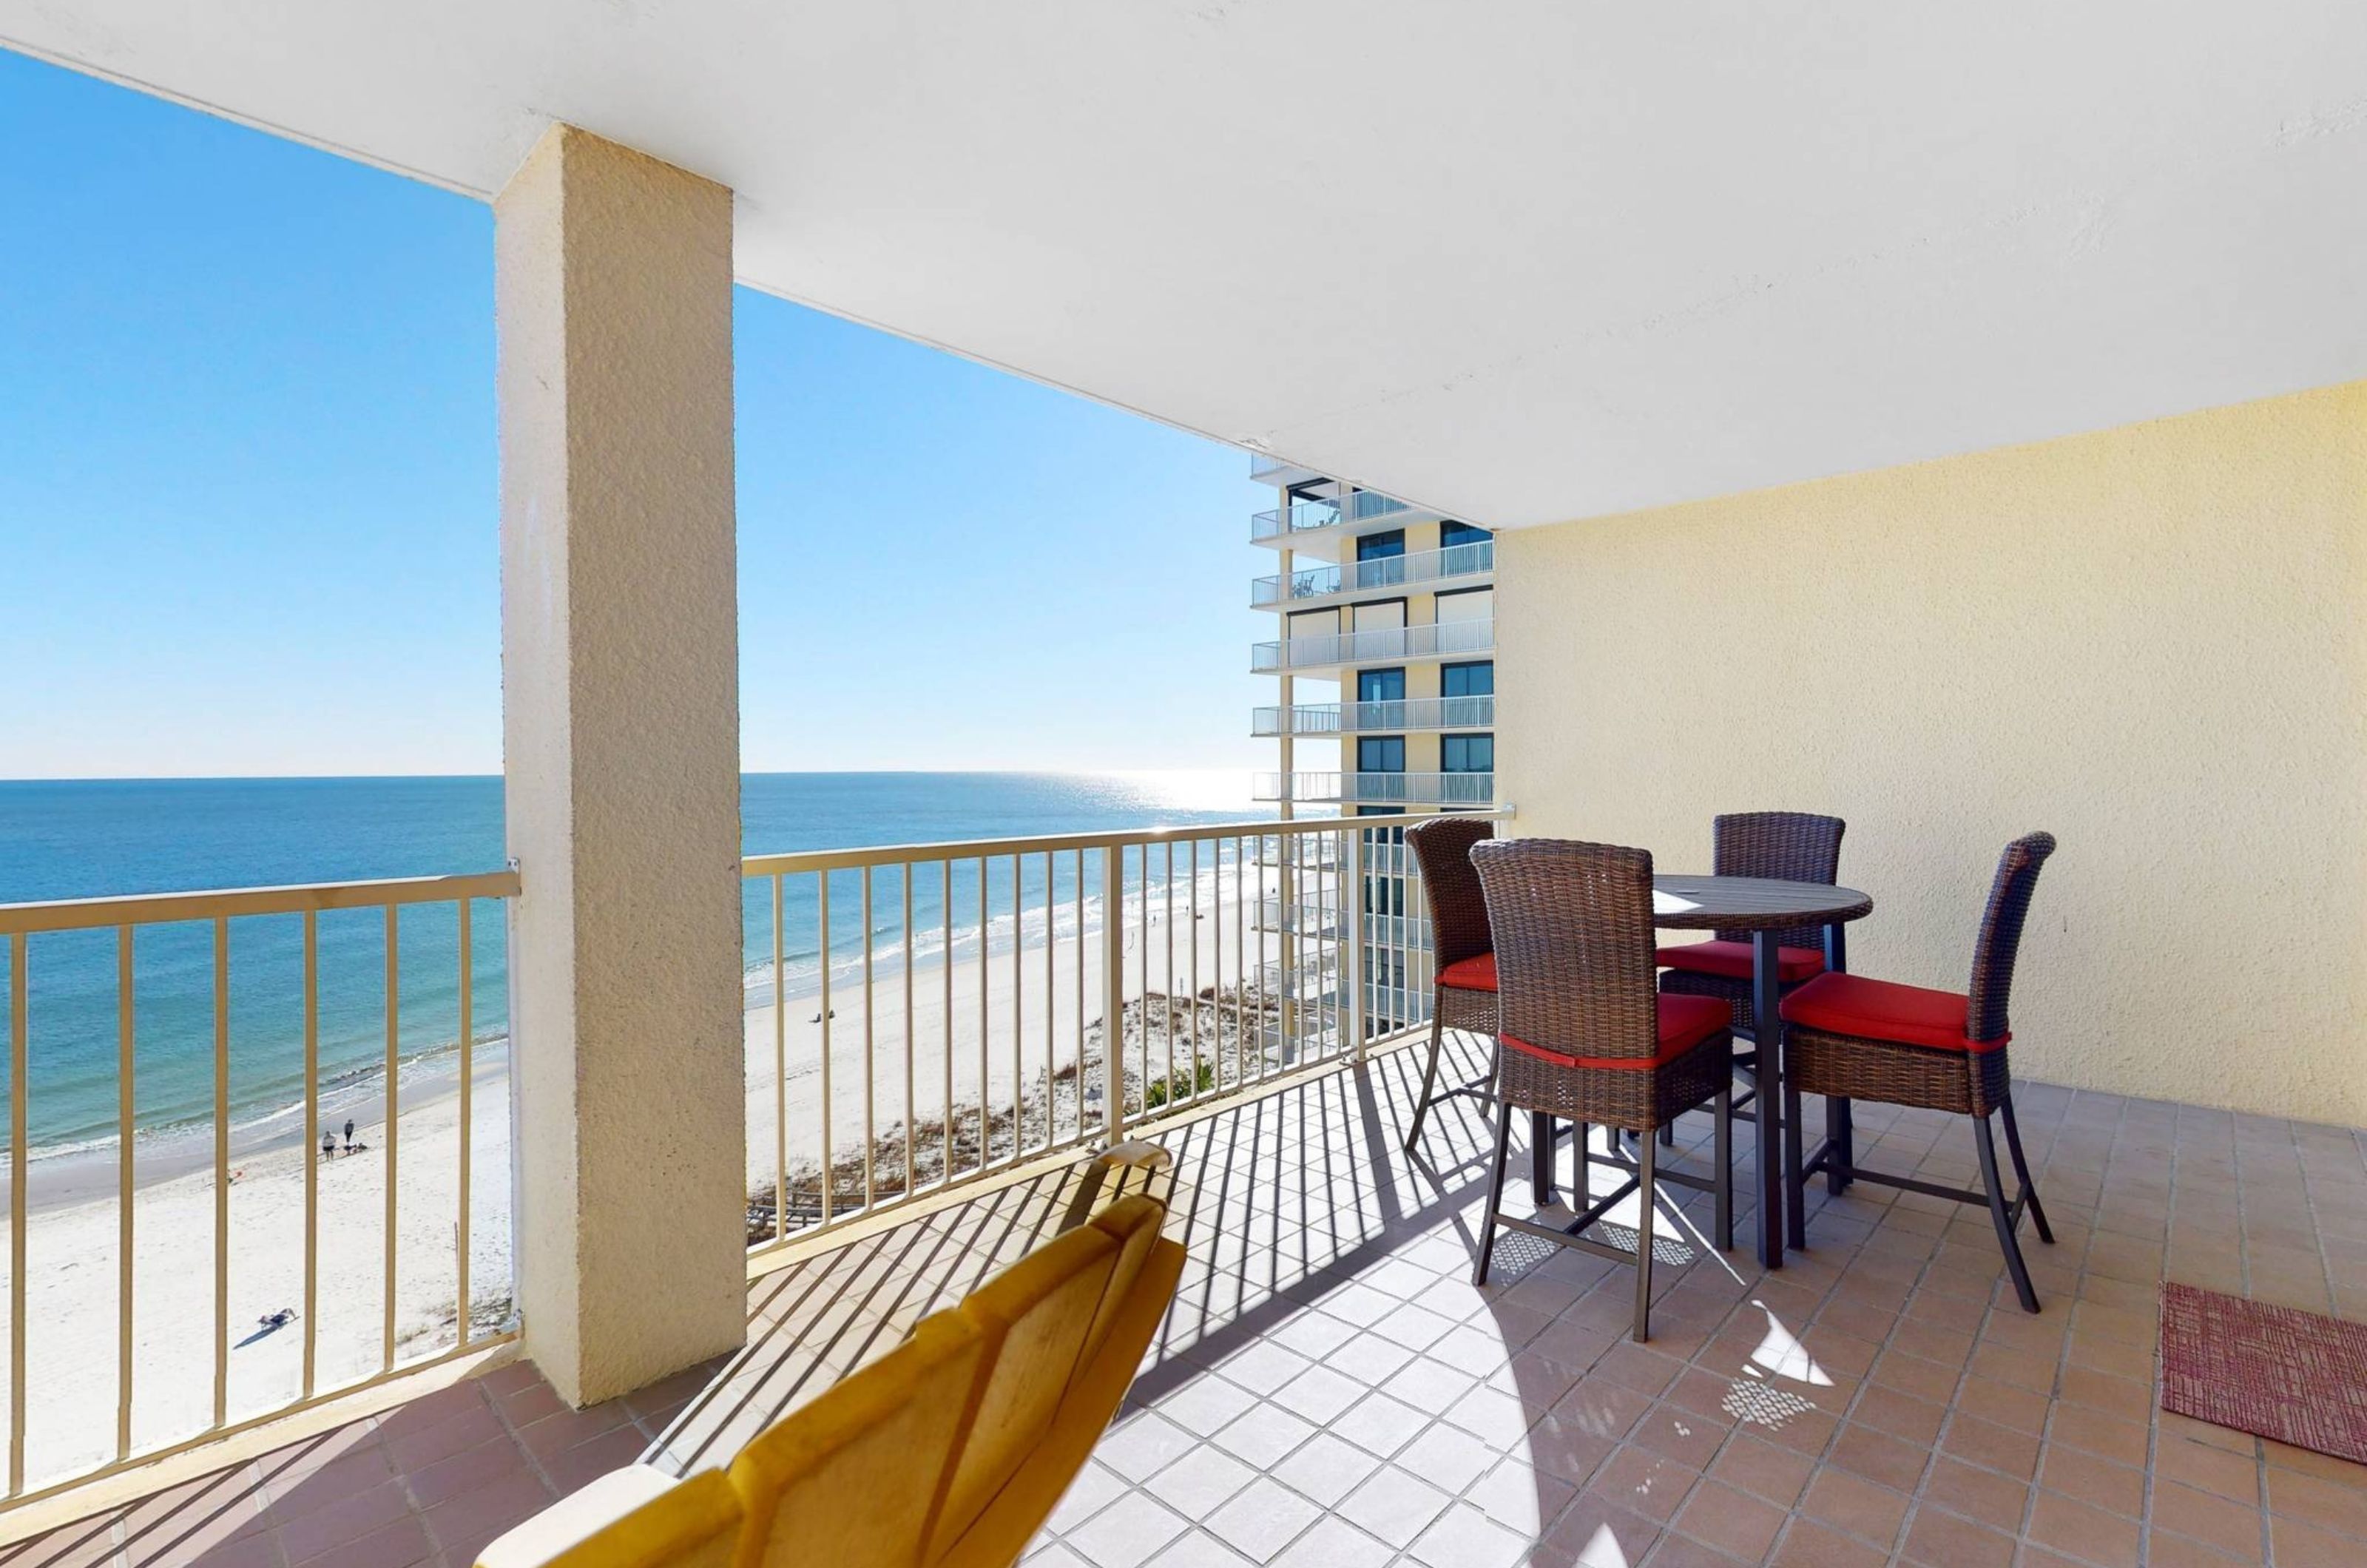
[[1001, 1531], [1034, 1315], [693, 1525], [851, 1478]]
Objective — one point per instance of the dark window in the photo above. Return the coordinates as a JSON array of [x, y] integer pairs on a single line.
[[1381, 754], [1468, 680], [1453, 534], [1381, 547], [1380, 685], [1466, 753]]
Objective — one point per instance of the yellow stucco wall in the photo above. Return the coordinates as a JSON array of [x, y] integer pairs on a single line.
[[2148, 640]]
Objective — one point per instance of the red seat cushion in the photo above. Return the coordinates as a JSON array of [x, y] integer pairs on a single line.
[[1478, 974], [1684, 1022], [1733, 960], [1881, 1010]]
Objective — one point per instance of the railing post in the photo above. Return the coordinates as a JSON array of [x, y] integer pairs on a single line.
[[1113, 991], [1353, 895]]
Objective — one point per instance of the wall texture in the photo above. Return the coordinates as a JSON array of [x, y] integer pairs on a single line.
[[2149, 641]]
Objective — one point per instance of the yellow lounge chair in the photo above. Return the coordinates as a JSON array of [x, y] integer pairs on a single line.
[[949, 1452]]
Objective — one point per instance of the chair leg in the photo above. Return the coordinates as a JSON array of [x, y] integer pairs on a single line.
[[1843, 1158], [1722, 1148], [1541, 1153], [1668, 1134], [1796, 1180], [1495, 1192], [1644, 1238], [1582, 1134], [1429, 1080], [1986, 1148], [2021, 1172]]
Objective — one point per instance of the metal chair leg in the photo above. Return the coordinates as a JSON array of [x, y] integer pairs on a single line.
[[1644, 1239], [1495, 1193], [2022, 1173], [1668, 1134], [1838, 1138], [1429, 1079], [1986, 1149], [1722, 1149], [1541, 1153], [1583, 1135]]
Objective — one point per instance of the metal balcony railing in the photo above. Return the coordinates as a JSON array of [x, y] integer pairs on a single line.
[[1367, 504], [334, 1003], [1377, 789], [950, 1019], [1472, 559], [1296, 518], [1263, 464], [1413, 713], [1386, 646]]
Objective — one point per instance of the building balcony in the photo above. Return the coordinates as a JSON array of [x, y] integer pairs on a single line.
[[1377, 789], [1412, 715], [1298, 517], [1390, 645], [1458, 563], [1268, 470]]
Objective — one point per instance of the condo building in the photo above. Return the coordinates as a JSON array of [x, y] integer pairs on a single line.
[[1385, 660], [1386, 651]]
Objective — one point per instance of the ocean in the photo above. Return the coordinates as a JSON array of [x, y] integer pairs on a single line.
[[92, 838]]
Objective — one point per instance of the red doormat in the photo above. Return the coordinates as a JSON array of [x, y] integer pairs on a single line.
[[2271, 1371]]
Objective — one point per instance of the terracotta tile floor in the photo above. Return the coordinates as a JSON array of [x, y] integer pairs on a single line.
[[1331, 1390]]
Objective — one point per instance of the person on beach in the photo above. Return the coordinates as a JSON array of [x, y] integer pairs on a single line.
[[350, 1134], [328, 1146]]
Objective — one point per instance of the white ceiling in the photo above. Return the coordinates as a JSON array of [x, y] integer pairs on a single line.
[[1526, 259]]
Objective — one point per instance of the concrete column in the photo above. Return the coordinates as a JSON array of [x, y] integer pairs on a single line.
[[620, 724]]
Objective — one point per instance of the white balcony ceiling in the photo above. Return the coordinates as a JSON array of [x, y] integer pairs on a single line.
[[1524, 260]]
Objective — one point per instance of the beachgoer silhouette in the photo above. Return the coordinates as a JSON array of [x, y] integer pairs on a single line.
[[350, 1132], [328, 1146]]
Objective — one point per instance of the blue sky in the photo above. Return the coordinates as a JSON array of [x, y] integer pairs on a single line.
[[248, 496]]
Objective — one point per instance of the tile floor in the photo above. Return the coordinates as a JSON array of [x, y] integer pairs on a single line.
[[1330, 1389]]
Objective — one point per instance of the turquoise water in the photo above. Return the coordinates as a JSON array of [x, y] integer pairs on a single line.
[[94, 838]]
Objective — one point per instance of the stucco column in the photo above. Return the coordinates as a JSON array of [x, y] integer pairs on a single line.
[[620, 720]]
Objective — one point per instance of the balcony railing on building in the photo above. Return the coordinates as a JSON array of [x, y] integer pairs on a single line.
[[922, 1018], [1456, 561], [1381, 646], [1413, 713], [1377, 789], [1298, 517]]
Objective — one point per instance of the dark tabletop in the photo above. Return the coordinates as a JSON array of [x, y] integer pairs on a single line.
[[1751, 903]]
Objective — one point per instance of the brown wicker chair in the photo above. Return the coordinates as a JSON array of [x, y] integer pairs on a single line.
[[1583, 1035], [1789, 846], [1464, 994], [1862, 1038]]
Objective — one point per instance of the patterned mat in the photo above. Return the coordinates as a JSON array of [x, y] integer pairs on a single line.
[[2269, 1370]]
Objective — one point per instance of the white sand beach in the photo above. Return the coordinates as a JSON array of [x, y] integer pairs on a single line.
[[73, 1237]]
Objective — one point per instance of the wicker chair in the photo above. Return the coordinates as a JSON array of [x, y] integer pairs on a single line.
[[1582, 1034], [1789, 846], [1464, 995], [1861, 1039]]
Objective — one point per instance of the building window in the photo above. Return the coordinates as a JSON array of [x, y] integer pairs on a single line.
[[1453, 534], [1466, 753], [1468, 680], [1380, 685], [1381, 754], [1381, 547]]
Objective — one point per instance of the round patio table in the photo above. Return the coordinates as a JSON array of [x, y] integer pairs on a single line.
[[1764, 907]]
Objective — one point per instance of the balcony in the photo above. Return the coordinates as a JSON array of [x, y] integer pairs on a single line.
[[1333, 650], [1772, 1413], [1298, 517], [1377, 789], [1412, 715], [1455, 562], [1268, 470]]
